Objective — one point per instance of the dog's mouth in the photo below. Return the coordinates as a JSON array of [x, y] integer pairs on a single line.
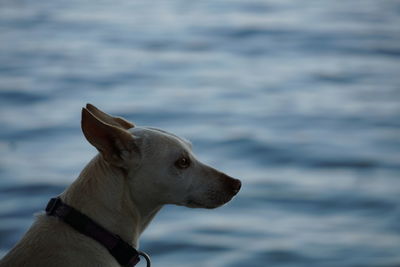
[[212, 200], [195, 204]]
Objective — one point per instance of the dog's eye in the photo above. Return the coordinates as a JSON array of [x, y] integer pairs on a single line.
[[182, 163]]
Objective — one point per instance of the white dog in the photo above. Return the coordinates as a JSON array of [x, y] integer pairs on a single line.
[[97, 220]]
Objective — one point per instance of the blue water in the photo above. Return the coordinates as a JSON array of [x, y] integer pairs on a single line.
[[299, 99]]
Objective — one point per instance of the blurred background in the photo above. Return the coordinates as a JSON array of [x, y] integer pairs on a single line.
[[299, 99]]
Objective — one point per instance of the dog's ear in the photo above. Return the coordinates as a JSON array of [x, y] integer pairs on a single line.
[[116, 121], [115, 144]]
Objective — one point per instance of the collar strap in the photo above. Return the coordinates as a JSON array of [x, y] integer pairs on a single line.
[[125, 254]]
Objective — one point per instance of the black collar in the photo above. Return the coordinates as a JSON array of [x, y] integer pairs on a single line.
[[125, 254]]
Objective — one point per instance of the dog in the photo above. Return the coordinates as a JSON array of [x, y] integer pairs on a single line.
[[137, 171]]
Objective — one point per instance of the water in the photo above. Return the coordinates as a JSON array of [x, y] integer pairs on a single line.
[[300, 99]]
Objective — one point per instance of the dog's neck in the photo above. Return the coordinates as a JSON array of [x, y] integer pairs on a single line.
[[102, 193]]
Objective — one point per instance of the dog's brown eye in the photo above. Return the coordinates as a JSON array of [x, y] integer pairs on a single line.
[[182, 163]]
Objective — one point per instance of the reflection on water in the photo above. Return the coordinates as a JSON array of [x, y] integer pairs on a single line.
[[300, 99]]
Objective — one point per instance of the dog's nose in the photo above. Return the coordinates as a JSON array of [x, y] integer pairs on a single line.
[[232, 185], [236, 185]]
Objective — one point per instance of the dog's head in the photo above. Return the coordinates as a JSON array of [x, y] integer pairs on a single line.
[[159, 166]]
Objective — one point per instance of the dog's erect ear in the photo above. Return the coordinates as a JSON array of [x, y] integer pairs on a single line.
[[116, 121], [114, 143]]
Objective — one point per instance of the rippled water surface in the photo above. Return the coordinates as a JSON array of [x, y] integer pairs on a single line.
[[300, 99]]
